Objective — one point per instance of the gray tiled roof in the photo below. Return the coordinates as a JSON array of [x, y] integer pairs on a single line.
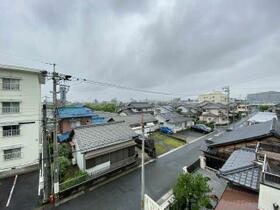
[[139, 105], [173, 117], [135, 119], [94, 137], [214, 106], [240, 169], [239, 159], [255, 131]]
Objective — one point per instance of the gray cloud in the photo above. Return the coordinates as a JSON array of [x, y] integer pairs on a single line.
[[173, 46]]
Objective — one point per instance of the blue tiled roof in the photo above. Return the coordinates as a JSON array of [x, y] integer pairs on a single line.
[[74, 111]]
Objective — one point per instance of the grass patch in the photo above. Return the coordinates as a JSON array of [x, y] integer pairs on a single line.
[[160, 149], [164, 143], [173, 142]]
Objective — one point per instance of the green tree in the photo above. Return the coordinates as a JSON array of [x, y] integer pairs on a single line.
[[106, 107], [191, 192]]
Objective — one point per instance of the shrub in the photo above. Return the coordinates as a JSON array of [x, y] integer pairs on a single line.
[[64, 150], [191, 192], [64, 163]]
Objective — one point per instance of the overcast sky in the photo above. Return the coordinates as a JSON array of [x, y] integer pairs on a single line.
[[185, 47]]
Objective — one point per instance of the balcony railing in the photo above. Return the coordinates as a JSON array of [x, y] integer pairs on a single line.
[[11, 132], [10, 109], [13, 156], [268, 177]]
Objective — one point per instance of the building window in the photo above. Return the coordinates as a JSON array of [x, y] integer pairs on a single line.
[[10, 107], [90, 163], [10, 84], [11, 130], [12, 154]]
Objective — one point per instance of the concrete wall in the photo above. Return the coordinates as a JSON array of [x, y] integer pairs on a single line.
[[267, 197], [216, 97], [29, 118]]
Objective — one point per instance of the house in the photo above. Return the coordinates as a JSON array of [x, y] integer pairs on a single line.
[[214, 113], [242, 108], [214, 97], [134, 121], [189, 110], [164, 109], [137, 108], [255, 174], [103, 148], [20, 121], [174, 121], [217, 152], [75, 116], [261, 117]]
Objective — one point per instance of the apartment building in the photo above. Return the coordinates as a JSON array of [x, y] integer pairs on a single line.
[[20, 116], [214, 97]]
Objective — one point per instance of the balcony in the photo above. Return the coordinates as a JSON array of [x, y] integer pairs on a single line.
[[270, 174]]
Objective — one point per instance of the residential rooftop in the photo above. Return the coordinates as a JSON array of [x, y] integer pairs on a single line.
[[93, 137], [173, 117], [247, 133], [262, 117]]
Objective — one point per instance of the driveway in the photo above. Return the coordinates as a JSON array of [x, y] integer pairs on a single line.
[[19, 193]]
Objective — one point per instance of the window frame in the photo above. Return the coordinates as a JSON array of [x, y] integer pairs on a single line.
[[11, 107], [13, 131], [15, 154], [11, 84]]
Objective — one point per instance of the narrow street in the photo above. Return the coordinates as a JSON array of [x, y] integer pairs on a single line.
[[124, 193]]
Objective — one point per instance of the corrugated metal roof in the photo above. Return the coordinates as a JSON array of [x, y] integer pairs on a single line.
[[93, 137], [74, 111]]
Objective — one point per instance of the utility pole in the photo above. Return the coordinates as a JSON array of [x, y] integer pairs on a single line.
[[227, 91], [46, 158], [142, 164], [55, 144]]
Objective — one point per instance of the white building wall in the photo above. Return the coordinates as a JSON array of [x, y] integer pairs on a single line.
[[267, 197], [29, 118]]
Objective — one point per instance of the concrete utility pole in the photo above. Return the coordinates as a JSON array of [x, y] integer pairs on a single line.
[[227, 91], [46, 158], [55, 144], [142, 164]]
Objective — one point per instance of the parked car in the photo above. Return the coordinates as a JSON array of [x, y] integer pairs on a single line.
[[165, 130], [201, 128]]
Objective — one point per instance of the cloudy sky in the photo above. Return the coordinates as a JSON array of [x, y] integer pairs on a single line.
[[184, 47]]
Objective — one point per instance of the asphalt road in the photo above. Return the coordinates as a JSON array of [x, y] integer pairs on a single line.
[[124, 192], [25, 192]]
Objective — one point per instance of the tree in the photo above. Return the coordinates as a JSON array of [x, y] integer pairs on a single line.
[[191, 192]]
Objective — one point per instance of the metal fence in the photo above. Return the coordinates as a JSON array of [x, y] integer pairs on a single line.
[[10, 109], [11, 132], [13, 155]]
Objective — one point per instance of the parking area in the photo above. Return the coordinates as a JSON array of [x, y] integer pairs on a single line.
[[19, 192], [188, 135]]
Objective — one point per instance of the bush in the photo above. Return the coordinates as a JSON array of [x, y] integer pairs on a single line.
[[191, 192], [77, 178], [64, 150], [64, 164]]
